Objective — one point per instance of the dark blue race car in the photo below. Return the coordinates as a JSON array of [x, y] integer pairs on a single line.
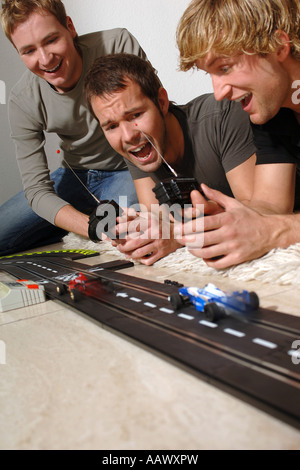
[[214, 303]]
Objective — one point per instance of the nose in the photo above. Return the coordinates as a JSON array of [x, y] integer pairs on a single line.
[[131, 134], [44, 57], [222, 89]]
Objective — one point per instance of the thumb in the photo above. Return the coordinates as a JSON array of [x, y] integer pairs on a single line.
[[197, 197], [212, 194]]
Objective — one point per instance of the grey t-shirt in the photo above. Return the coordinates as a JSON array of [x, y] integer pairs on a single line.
[[35, 107], [217, 138]]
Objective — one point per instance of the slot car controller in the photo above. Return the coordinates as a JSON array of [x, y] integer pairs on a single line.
[[176, 190]]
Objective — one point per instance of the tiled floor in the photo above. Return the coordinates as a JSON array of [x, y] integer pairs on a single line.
[[69, 383]]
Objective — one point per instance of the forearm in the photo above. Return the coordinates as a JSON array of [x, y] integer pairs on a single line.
[[264, 207], [283, 230], [274, 189], [72, 220]]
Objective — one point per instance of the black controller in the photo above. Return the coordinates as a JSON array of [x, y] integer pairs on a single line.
[[103, 220], [176, 190], [172, 191]]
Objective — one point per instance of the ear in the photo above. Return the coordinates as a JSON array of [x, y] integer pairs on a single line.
[[284, 49], [163, 100], [71, 27]]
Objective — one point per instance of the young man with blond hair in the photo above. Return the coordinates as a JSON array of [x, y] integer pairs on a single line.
[[251, 49], [49, 99]]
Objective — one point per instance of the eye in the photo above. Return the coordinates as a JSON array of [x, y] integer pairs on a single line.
[[225, 69], [111, 127], [27, 52], [51, 40], [134, 116]]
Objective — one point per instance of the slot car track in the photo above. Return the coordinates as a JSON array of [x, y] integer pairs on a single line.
[[251, 359]]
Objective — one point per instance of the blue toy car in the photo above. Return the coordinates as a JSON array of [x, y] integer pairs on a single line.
[[214, 303]]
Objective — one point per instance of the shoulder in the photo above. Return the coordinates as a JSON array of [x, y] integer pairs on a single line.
[[28, 79], [111, 41], [27, 89], [207, 107], [283, 123], [106, 40]]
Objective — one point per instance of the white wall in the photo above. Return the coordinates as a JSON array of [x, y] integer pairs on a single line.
[[11, 69], [152, 22]]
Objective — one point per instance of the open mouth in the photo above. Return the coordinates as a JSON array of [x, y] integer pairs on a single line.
[[245, 100], [54, 69], [142, 153]]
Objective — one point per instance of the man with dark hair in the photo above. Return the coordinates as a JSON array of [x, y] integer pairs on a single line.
[[49, 98], [204, 139]]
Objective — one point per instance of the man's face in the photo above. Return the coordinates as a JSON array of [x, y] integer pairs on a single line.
[[260, 84], [47, 49], [122, 114]]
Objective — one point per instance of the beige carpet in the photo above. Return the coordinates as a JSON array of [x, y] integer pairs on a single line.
[[280, 266]]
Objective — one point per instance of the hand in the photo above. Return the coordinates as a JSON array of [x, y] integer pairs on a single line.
[[230, 237], [145, 237], [193, 223]]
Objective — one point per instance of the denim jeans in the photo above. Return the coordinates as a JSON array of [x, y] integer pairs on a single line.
[[22, 229]]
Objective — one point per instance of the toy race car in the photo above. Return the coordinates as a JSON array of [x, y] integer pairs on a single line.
[[81, 284], [214, 303]]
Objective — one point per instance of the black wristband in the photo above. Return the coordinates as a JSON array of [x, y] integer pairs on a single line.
[[93, 222], [103, 219]]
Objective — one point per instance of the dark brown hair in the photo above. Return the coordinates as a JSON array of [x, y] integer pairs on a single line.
[[109, 74]]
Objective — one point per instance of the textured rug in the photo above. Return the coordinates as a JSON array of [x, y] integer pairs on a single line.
[[280, 266]]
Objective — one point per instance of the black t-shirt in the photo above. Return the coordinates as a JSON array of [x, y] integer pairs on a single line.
[[278, 141]]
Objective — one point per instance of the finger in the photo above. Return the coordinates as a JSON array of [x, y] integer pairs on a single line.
[[145, 252], [122, 229], [129, 229], [105, 237], [197, 198], [191, 227], [118, 241], [132, 244], [203, 205], [129, 212], [192, 241], [151, 259], [224, 262], [193, 212], [214, 222], [210, 252], [224, 201]]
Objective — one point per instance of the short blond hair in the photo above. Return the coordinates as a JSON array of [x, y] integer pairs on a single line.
[[230, 27], [15, 12]]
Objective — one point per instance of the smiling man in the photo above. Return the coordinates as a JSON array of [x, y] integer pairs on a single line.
[[47, 49], [251, 49], [204, 139], [49, 99]]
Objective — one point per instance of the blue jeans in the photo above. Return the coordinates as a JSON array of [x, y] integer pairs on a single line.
[[22, 229]]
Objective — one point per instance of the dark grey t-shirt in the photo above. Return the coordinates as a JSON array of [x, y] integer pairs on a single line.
[[217, 138]]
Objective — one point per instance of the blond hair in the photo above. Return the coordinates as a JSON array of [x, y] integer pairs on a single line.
[[15, 12], [231, 27]]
